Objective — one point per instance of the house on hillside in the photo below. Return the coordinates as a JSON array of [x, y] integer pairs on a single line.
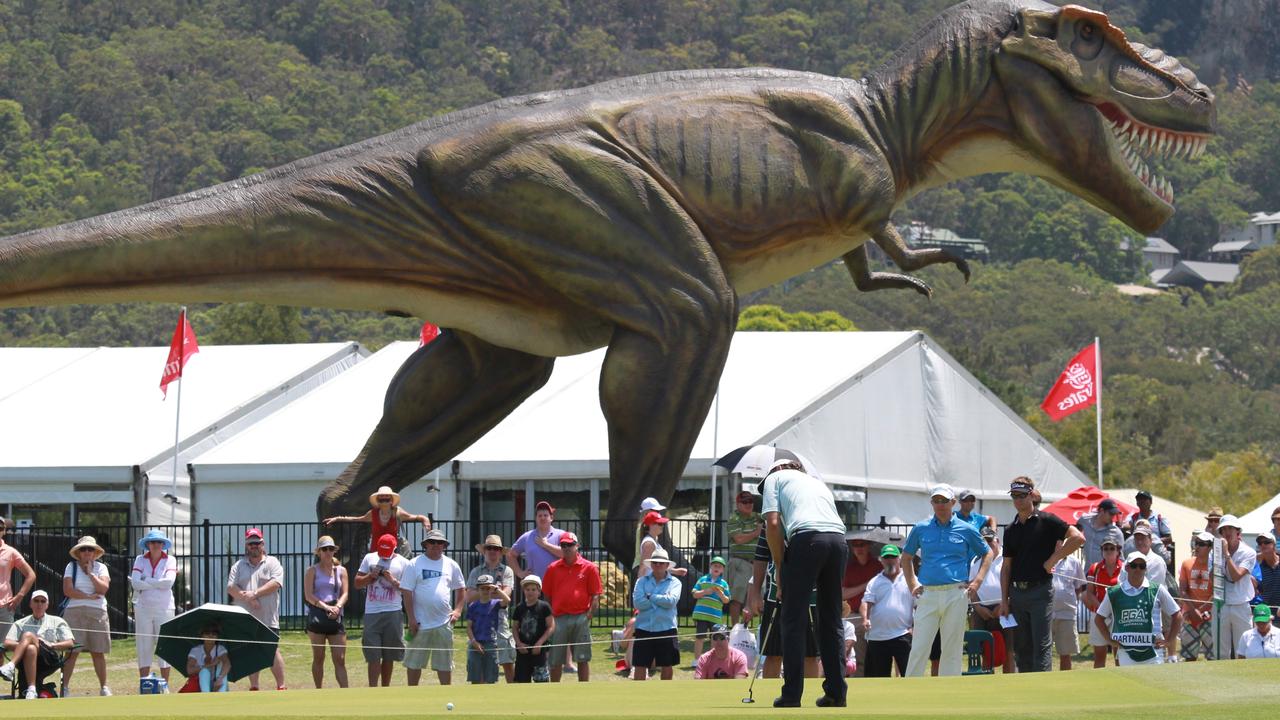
[[1258, 233], [919, 235], [1197, 275], [1159, 256]]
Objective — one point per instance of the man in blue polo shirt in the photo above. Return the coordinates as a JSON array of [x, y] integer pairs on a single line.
[[947, 546]]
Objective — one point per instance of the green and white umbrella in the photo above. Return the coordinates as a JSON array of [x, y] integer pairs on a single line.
[[250, 644]]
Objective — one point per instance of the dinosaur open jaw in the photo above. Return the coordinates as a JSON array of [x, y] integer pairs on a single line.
[[1137, 141]]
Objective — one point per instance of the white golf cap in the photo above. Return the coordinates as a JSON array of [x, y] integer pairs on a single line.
[[1265, 535], [1229, 521], [1135, 555], [943, 490], [650, 503], [39, 594], [1204, 536]]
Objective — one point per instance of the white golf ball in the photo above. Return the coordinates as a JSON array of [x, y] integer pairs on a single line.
[[448, 706]]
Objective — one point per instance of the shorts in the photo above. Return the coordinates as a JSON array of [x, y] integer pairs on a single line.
[[738, 575], [505, 647], [1066, 641], [383, 639], [482, 667], [1096, 638], [771, 642], [571, 631], [702, 628], [432, 646], [532, 668], [90, 628], [655, 648], [6, 621]]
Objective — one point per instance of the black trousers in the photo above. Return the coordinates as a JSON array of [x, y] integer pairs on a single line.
[[1033, 639], [813, 559], [882, 655]]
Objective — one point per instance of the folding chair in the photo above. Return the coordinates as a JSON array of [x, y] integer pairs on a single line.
[[44, 689], [976, 643]]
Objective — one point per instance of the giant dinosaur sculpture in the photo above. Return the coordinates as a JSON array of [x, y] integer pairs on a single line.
[[633, 214]]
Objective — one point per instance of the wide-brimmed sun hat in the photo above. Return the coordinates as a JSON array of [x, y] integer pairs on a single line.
[[491, 541], [325, 541], [153, 536], [659, 556], [384, 490], [87, 542]]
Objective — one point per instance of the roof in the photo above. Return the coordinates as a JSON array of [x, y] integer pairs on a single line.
[[1262, 218], [1233, 246], [1207, 272], [1157, 276], [101, 408], [1154, 245]]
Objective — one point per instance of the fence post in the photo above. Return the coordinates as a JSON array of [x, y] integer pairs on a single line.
[[204, 554]]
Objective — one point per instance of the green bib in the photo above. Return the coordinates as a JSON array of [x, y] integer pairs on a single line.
[[1131, 621]]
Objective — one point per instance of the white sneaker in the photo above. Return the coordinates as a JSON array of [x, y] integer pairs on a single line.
[[6, 671], [105, 691], [31, 693]]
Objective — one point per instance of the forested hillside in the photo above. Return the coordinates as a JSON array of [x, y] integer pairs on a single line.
[[113, 103]]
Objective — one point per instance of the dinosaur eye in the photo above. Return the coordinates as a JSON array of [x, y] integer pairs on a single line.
[[1088, 41]]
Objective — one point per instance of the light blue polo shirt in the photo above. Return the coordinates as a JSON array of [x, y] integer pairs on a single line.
[[946, 551], [804, 502], [975, 519]]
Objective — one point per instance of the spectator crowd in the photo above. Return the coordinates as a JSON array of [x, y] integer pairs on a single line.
[[868, 603]]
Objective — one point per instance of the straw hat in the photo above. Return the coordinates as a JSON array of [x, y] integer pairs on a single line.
[[87, 541], [384, 490], [491, 541], [325, 541]]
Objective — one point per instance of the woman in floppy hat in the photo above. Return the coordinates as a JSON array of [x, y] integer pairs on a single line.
[[152, 578], [325, 588], [84, 584], [385, 516]]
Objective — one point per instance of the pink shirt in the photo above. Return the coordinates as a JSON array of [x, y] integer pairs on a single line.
[[711, 667], [8, 556]]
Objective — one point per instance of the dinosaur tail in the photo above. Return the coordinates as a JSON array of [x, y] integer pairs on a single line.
[[279, 237]]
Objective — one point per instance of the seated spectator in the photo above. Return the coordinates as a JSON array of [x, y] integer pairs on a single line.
[[656, 596], [721, 662], [1131, 616], [986, 615], [483, 616], [712, 593], [208, 663], [1261, 640], [532, 624], [35, 642]]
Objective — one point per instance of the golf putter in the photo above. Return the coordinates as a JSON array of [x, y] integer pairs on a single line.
[[755, 672]]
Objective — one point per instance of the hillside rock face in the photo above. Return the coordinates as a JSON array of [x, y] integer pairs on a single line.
[[1240, 39]]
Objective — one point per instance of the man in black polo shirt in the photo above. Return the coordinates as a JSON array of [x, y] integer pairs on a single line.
[[1026, 587]]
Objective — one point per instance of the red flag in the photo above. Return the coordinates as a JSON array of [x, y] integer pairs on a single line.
[[1077, 387], [184, 345], [429, 332]]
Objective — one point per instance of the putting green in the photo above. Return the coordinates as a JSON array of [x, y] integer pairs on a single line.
[[1246, 689]]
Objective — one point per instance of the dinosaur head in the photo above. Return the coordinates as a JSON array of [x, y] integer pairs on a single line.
[[1090, 108]]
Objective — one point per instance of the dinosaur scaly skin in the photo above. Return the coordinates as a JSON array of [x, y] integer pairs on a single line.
[[633, 214]]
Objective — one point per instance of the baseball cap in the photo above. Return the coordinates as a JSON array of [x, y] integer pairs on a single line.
[[1115, 540], [782, 462], [39, 594], [1142, 527], [965, 494], [568, 539], [387, 545], [719, 631], [1109, 506], [745, 495], [651, 503], [544, 505], [1265, 535], [1229, 521], [943, 490], [718, 559], [653, 517], [1143, 494], [890, 551], [484, 580], [1261, 613], [531, 579], [252, 534], [1135, 555], [1204, 536]]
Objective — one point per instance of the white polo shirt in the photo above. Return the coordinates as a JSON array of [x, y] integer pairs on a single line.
[[1253, 646]]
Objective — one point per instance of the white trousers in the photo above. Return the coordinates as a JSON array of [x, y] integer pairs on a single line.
[[942, 608], [146, 623], [1236, 619]]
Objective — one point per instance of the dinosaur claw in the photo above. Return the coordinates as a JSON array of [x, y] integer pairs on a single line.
[[963, 266]]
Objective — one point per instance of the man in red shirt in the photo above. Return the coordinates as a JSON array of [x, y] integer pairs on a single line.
[[573, 585], [862, 566]]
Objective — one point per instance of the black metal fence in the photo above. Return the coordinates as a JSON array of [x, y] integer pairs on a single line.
[[206, 552]]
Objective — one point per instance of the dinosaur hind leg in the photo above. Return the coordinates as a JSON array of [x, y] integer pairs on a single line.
[[911, 260], [444, 397], [855, 261]]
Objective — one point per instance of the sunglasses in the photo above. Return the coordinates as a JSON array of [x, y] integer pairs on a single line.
[[253, 543], [328, 549], [384, 500], [38, 600], [437, 542], [1138, 565], [939, 501], [1264, 541], [1203, 544], [1019, 495], [1111, 548]]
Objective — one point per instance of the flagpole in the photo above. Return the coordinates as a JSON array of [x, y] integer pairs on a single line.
[[1097, 389], [177, 419]]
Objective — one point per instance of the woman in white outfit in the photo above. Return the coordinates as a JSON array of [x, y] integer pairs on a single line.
[[152, 577]]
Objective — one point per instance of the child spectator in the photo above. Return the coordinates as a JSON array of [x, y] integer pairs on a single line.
[[482, 631], [712, 593], [532, 625], [208, 663]]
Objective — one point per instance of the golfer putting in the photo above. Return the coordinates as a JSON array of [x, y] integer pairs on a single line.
[[806, 539]]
